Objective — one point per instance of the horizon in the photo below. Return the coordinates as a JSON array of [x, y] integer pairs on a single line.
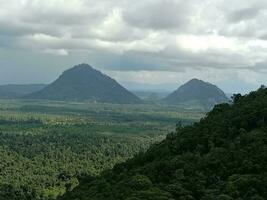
[[146, 87]]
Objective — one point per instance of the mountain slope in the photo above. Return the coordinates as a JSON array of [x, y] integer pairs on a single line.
[[198, 91], [223, 157], [16, 91], [82, 82]]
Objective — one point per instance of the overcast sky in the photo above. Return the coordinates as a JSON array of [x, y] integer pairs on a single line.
[[157, 42]]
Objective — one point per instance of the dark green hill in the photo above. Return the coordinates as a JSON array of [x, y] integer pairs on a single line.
[[223, 157], [82, 82], [16, 91], [197, 91]]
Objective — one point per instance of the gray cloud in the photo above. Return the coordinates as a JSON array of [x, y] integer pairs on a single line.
[[244, 14], [158, 14], [122, 36], [244, 19]]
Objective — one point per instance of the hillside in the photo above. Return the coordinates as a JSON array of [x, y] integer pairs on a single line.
[[197, 91], [16, 91], [82, 82], [223, 157]]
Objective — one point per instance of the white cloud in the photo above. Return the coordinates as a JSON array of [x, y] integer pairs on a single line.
[[61, 52]]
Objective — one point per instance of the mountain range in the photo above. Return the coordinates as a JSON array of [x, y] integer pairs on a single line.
[[84, 83]]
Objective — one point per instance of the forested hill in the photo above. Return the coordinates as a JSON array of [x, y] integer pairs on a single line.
[[198, 92], [83, 83], [223, 157]]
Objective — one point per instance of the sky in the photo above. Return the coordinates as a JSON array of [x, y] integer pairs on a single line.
[[149, 43]]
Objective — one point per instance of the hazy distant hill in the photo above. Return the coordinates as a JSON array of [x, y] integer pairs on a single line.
[[82, 82], [16, 91], [154, 95], [197, 91]]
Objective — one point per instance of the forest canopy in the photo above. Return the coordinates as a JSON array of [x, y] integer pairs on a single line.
[[222, 157]]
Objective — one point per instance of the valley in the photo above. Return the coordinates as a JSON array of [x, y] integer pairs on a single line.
[[46, 146]]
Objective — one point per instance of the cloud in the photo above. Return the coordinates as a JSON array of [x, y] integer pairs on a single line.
[[61, 52], [244, 14], [244, 18], [160, 15], [163, 36]]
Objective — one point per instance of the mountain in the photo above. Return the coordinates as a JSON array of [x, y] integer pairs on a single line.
[[16, 91], [82, 82], [222, 157], [197, 91]]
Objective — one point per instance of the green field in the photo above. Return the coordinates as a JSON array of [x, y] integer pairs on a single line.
[[45, 146]]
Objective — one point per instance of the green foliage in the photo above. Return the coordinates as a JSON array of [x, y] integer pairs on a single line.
[[197, 93], [46, 146], [223, 157], [139, 182]]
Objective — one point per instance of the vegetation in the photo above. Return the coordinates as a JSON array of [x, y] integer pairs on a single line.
[[197, 92], [223, 157], [46, 146]]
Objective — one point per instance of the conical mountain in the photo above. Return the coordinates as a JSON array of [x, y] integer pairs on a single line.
[[197, 91], [82, 82]]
